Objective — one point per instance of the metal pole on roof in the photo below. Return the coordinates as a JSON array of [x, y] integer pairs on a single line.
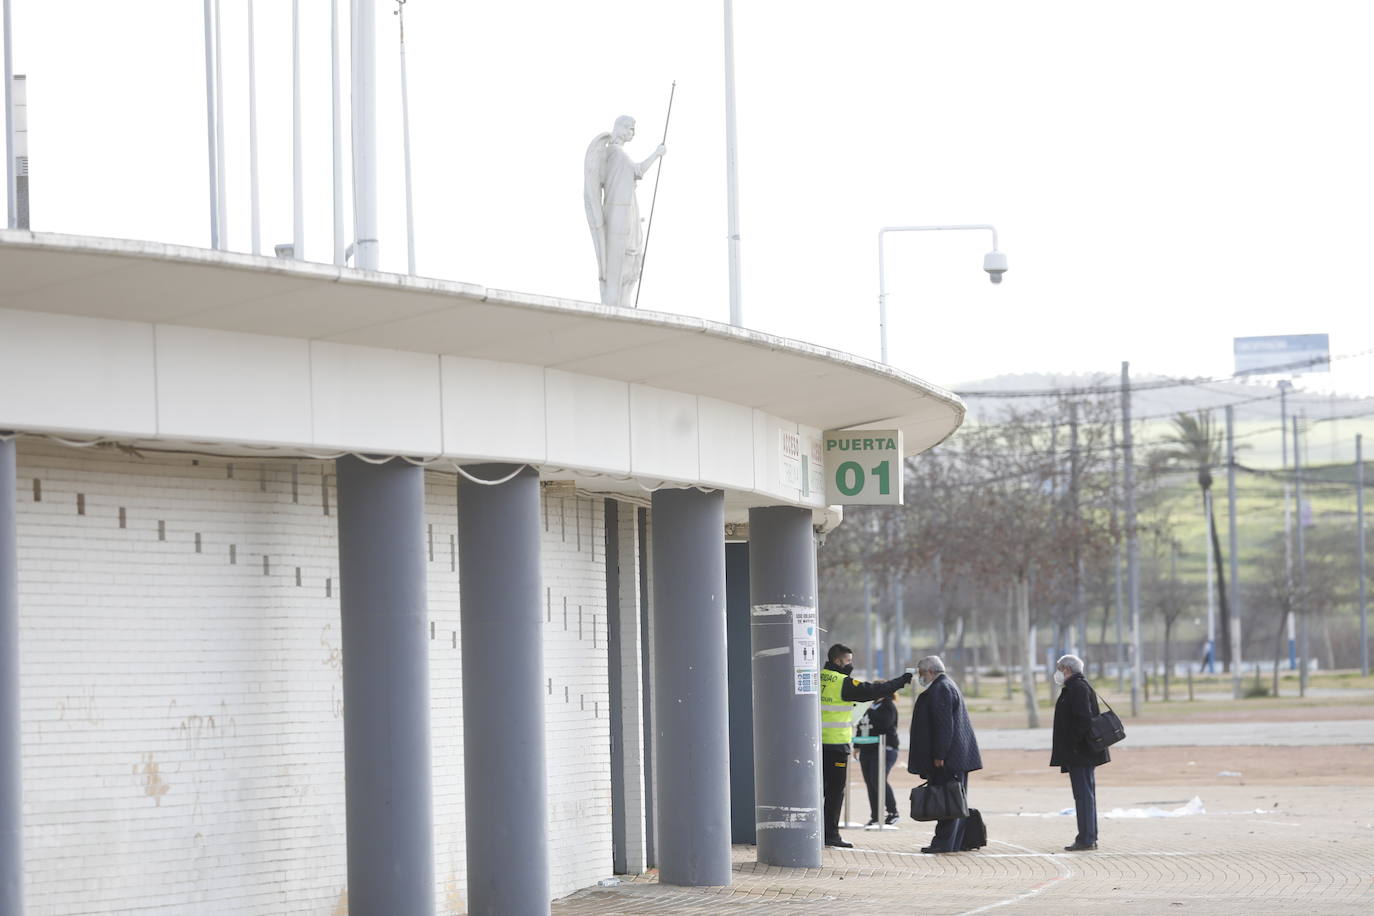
[[210, 138], [336, 122], [297, 154], [732, 169], [254, 210], [366, 254], [11, 186], [405, 142], [222, 208]]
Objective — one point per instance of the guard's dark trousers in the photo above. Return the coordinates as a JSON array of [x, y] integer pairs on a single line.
[[835, 770]]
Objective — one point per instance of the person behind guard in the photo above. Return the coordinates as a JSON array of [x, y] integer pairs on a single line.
[[839, 693], [879, 722]]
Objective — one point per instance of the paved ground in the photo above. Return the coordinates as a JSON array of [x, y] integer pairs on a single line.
[[1257, 849]]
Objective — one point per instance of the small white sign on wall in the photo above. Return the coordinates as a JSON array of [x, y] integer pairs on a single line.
[[790, 473], [863, 467]]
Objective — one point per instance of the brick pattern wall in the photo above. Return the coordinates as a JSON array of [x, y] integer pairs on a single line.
[[577, 730], [182, 694]]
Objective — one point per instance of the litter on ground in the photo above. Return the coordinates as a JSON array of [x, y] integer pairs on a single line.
[[1194, 806]]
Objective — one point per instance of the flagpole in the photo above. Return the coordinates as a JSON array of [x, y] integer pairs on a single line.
[[731, 169]]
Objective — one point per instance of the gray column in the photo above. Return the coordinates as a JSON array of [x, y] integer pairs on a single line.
[[11, 811], [738, 653], [503, 692], [615, 684], [787, 734], [383, 605], [691, 681]]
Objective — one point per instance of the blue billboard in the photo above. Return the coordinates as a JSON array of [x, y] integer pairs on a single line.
[[1287, 354]]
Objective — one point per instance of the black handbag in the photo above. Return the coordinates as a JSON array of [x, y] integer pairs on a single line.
[[1104, 730], [938, 803]]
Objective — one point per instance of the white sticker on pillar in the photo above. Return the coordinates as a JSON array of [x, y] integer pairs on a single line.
[[804, 650], [790, 473]]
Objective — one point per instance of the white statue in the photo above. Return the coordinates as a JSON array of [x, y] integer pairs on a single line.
[[612, 212]]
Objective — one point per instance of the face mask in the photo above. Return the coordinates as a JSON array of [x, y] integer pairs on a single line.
[[847, 670], [1058, 678], [925, 681]]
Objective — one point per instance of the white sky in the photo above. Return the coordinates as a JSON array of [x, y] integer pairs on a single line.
[[1164, 176]]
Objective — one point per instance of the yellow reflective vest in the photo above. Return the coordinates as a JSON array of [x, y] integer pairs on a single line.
[[836, 715]]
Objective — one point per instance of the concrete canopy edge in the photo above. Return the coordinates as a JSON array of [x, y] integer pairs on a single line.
[[811, 386]]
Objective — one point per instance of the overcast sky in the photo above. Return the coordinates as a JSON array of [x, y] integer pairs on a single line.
[[1164, 176]]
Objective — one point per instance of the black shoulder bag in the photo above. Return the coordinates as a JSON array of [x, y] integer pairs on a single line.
[[1104, 730]]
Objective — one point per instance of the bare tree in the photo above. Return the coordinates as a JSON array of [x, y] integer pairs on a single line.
[[999, 508], [1166, 595]]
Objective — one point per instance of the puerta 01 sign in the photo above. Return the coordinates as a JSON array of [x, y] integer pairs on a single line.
[[863, 467]]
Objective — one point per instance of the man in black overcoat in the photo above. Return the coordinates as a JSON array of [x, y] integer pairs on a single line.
[[943, 747], [1073, 712]]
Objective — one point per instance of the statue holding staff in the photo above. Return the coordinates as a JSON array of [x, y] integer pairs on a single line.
[[609, 178]]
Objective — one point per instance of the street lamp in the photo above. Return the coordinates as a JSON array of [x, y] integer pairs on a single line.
[[994, 262]]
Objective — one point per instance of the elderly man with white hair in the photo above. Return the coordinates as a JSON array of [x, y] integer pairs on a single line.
[[1073, 713], [943, 746]]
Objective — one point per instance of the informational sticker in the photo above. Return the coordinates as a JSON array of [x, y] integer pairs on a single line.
[[815, 467], [790, 473], [804, 650]]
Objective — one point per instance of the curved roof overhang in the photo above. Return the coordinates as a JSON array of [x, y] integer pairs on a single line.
[[167, 285]]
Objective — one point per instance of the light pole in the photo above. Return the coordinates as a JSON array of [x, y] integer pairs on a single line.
[[994, 262]]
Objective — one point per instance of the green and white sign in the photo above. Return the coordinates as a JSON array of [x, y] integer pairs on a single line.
[[863, 467]]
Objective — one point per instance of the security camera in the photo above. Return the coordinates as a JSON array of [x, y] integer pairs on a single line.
[[995, 263]]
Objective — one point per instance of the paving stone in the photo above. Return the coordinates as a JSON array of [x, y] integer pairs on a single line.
[[1311, 850]]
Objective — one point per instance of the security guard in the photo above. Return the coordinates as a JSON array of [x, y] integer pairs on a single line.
[[839, 693]]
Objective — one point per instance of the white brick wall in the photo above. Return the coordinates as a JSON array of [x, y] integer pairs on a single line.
[[183, 743], [577, 736]]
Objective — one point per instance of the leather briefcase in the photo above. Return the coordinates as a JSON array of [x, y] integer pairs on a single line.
[[938, 803]]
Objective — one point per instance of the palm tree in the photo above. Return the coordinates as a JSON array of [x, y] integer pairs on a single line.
[[1196, 443]]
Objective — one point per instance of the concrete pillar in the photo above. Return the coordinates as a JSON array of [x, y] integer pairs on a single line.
[[383, 607], [615, 684], [738, 653], [787, 719], [501, 597], [11, 808], [691, 681]]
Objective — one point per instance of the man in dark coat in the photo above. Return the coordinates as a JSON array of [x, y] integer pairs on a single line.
[[943, 747], [1073, 712]]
